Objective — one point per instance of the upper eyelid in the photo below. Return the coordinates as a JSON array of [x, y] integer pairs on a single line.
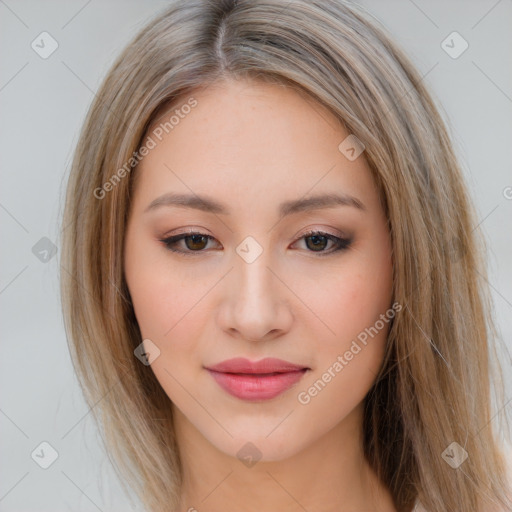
[[197, 231], [309, 232]]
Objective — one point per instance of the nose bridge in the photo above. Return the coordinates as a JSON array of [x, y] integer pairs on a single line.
[[254, 279], [257, 302]]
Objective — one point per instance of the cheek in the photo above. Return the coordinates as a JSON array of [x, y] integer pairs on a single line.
[[350, 301], [169, 312], [164, 300], [355, 307], [348, 361]]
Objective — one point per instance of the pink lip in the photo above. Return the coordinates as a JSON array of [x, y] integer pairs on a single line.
[[260, 380]]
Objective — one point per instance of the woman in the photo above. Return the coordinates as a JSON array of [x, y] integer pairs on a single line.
[[230, 365]]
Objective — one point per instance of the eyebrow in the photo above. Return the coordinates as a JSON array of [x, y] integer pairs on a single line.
[[207, 204]]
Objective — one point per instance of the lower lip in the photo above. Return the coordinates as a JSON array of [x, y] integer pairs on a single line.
[[256, 387]]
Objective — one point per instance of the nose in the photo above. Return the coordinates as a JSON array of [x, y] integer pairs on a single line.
[[257, 304]]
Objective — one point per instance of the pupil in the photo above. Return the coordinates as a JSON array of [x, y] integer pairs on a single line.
[[195, 240], [316, 239]]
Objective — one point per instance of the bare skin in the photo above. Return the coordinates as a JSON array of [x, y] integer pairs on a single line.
[[251, 147]]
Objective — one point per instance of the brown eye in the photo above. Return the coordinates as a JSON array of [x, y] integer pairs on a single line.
[[317, 241], [197, 242], [194, 242]]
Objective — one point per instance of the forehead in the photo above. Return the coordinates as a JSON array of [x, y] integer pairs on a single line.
[[248, 114], [243, 137], [250, 93]]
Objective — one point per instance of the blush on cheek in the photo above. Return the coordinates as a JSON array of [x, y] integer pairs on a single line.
[[356, 290]]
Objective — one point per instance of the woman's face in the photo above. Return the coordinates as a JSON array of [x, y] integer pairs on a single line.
[[276, 269]]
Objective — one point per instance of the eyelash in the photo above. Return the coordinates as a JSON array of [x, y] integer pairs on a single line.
[[341, 244]]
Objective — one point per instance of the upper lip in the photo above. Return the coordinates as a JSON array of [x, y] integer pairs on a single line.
[[267, 365]]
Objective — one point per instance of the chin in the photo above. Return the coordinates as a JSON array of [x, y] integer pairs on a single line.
[[256, 445]]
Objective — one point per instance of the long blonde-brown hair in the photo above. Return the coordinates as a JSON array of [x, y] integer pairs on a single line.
[[434, 386]]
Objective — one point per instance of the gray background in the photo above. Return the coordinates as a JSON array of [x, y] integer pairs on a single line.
[[43, 103]]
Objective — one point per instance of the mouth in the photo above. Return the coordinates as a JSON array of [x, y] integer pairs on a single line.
[[256, 381]]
